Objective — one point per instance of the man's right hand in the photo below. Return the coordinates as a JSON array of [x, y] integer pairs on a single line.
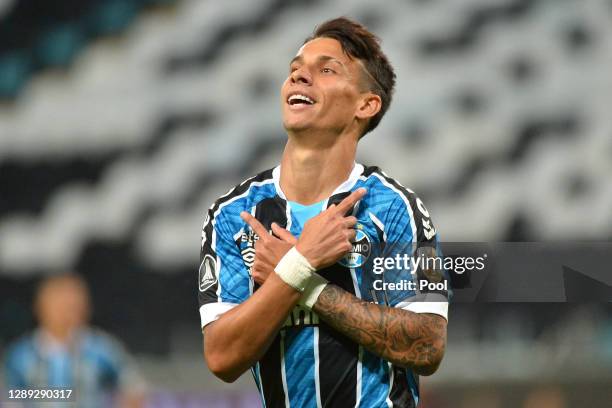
[[328, 237], [268, 249]]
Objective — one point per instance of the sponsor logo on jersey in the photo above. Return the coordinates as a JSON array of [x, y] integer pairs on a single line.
[[207, 274], [301, 316], [248, 251], [249, 237], [360, 252], [248, 256]]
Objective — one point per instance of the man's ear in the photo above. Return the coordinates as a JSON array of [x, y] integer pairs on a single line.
[[369, 105]]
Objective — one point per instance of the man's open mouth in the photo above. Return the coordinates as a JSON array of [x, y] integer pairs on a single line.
[[299, 99]]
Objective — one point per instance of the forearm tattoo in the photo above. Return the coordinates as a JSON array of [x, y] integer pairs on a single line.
[[407, 339]]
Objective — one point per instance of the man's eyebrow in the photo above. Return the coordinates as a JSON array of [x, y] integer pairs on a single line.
[[321, 58], [326, 58], [297, 58]]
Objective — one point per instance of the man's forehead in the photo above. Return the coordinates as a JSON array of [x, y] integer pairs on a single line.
[[322, 45], [301, 50]]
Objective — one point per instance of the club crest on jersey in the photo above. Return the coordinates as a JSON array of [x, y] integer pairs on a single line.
[[360, 252], [207, 275]]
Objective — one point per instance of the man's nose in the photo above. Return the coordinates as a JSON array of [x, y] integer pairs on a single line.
[[301, 75]]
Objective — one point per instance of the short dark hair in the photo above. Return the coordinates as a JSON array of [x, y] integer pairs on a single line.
[[358, 42]]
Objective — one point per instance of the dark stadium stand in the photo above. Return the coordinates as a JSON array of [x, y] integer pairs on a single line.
[[122, 121]]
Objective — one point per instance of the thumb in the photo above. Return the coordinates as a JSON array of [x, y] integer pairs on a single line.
[[283, 234]]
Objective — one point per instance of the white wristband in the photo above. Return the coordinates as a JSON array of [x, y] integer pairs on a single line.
[[294, 269], [313, 289]]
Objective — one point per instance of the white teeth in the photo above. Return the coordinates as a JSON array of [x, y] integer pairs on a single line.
[[301, 98]]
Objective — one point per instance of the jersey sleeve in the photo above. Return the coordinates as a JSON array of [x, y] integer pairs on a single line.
[[412, 236], [223, 279]]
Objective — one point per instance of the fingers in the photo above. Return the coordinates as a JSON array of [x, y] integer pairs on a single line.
[[351, 200], [258, 274], [254, 224], [283, 234], [349, 222]]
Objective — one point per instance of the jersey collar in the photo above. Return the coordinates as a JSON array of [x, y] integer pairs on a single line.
[[346, 186]]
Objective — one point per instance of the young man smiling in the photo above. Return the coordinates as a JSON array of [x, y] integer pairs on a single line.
[[285, 280]]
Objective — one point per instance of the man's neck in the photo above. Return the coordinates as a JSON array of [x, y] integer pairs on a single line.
[[310, 172]]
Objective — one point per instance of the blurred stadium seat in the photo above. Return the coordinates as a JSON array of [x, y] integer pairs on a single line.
[[508, 98]]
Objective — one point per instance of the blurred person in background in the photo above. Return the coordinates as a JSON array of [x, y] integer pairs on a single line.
[[64, 352]]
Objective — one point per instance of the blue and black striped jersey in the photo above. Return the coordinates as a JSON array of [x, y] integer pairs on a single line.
[[309, 364]]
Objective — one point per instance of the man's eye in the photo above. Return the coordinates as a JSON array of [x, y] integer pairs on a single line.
[[327, 70]]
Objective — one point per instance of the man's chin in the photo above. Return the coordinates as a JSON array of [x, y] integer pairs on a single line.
[[296, 126]]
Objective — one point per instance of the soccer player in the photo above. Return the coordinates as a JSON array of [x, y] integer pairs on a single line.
[[287, 284], [65, 352]]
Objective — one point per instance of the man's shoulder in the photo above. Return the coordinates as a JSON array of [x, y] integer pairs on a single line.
[[396, 204], [381, 185], [21, 352], [240, 196], [390, 197], [94, 338]]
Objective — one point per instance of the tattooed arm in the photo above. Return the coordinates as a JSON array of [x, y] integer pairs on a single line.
[[406, 339]]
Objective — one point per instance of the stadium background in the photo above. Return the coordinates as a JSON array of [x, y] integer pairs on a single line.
[[122, 120]]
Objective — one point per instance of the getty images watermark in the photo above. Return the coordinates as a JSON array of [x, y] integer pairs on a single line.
[[403, 266], [431, 266], [483, 271]]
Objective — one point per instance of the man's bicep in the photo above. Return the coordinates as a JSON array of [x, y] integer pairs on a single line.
[[434, 326], [223, 280], [439, 323], [421, 283]]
